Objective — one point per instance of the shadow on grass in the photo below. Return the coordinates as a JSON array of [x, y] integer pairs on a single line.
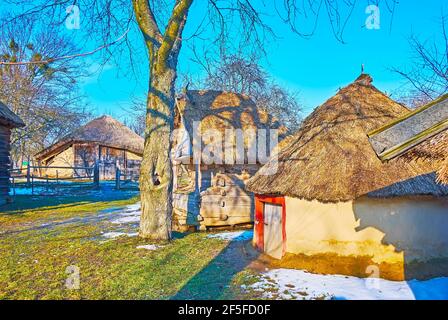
[[213, 280], [73, 198]]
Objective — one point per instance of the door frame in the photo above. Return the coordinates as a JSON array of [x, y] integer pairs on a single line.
[[260, 200]]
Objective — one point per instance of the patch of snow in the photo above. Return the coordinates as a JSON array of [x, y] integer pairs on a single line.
[[233, 236], [149, 247], [129, 214], [298, 284], [129, 219], [112, 235]]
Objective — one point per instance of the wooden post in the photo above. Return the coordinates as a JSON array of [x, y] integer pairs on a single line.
[[96, 174], [117, 177], [28, 175]]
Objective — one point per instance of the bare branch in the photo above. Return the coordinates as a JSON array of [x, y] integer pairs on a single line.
[[67, 57]]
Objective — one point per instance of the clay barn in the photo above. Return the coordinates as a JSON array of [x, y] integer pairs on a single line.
[[104, 139], [212, 193], [421, 134], [8, 121], [332, 199]]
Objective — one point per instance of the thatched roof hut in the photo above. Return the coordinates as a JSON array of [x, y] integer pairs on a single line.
[[327, 194], [330, 158], [104, 130], [420, 135], [104, 139]]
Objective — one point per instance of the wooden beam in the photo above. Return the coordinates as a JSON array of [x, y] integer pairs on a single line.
[[410, 130]]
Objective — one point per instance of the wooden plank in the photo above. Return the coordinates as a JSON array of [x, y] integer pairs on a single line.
[[399, 136]]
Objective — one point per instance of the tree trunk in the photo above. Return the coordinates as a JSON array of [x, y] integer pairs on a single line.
[[156, 170]]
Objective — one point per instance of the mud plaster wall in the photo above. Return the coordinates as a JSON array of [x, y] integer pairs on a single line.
[[388, 230]]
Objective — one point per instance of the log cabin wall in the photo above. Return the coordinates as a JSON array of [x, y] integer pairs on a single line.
[[5, 147], [212, 196]]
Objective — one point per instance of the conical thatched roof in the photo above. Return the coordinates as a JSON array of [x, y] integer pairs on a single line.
[[105, 131], [9, 118], [330, 158]]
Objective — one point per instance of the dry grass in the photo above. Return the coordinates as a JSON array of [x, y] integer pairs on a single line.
[[39, 243]]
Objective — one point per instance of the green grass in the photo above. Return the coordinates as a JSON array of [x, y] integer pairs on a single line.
[[34, 258]]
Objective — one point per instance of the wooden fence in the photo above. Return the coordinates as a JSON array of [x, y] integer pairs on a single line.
[[126, 178], [32, 177]]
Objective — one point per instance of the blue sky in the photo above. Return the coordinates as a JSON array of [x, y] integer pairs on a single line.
[[315, 67]]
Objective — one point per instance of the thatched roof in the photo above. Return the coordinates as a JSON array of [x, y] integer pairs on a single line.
[[9, 118], [330, 158], [421, 134], [220, 110], [434, 150], [105, 131]]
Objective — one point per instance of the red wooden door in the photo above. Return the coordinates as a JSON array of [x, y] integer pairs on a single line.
[[260, 221]]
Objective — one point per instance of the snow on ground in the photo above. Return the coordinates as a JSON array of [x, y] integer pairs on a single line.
[[113, 234], [233, 236], [129, 214], [298, 284], [150, 247], [125, 219]]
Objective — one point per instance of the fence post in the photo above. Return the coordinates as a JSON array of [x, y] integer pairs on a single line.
[[117, 178], [28, 175], [57, 181], [96, 174]]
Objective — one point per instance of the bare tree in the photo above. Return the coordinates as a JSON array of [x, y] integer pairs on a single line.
[[245, 75], [137, 116], [428, 74], [44, 95], [225, 24]]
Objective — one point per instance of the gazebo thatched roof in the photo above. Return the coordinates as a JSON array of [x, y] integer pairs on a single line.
[[9, 118], [105, 131], [330, 158]]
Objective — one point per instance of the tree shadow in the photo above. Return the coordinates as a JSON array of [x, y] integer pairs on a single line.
[[73, 197], [416, 227], [212, 282]]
